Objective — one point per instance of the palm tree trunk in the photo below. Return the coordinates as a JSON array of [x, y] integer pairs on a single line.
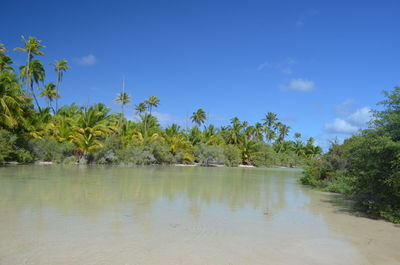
[[34, 96], [121, 119], [58, 83]]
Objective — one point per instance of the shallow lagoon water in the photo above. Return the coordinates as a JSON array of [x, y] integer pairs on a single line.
[[181, 215]]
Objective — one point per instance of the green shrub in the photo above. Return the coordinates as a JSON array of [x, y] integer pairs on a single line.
[[208, 154], [265, 156], [11, 148], [48, 149], [232, 156]]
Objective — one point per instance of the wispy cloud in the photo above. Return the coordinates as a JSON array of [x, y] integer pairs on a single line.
[[301, 21], [166, 119], [285, 66], [299, 84], [87, 60], [344, 107]]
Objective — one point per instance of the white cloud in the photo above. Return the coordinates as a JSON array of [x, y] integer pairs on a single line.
[[87, 60], [340, 126], [284, 66], [351, 124], [360, 117], [299, 84]]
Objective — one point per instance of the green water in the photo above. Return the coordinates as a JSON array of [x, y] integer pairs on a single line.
[[180, 215]]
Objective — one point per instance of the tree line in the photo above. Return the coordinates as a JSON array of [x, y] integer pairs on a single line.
[[93, 134]]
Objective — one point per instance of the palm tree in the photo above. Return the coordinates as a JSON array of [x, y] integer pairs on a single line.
[[258, 131], [5, 61], [139, 109], [124, 99], [297, 135], [199, 117], [153, 101], [270, 119], [60, 67], [12, 102], [31, 47], [270, 134], [33, 74], [50, 92]]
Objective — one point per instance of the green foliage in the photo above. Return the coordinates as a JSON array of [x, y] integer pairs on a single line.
[[366, 166], [48, 149], [232, 156], [207, 155], [11, 149]]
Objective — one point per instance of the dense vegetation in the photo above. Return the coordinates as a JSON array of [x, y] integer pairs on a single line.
[[366, 166], [92, 134]]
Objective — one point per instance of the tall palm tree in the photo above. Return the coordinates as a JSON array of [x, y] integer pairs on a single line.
[[153, 101], [139, 109], [33, 74], [124, 99], [31, 47], [60, 67], [199, 117], [50, 93]]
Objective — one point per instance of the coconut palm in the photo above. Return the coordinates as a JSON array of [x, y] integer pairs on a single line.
[[140, 108], [199, 117], [152, 102], [33, 74], [50, 93], [5, 61], [60, 67], [124, 99], [270, 119], [31, 47], [12, 102], [258, 131]]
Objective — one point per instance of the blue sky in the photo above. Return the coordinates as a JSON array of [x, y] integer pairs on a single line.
[[321, 65]]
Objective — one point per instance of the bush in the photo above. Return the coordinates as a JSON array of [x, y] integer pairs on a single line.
[[48, 149], [232, 156], [11, 148], [107, 154], [208, 154], [266, 156]]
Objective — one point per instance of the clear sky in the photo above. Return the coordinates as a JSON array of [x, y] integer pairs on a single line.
[[321, 65]]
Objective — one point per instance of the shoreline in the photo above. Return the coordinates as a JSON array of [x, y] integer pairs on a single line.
[[51, 163]]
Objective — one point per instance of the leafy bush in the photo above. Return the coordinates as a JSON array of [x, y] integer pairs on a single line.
[[209, 154], [265, 157], [11, 149], [48, 149], [232, 155]]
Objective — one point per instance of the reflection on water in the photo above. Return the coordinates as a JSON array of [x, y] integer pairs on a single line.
[[179, 215]]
